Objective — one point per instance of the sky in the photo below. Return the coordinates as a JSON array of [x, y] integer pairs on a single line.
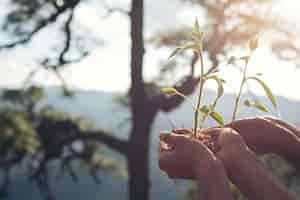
[[107, 67]]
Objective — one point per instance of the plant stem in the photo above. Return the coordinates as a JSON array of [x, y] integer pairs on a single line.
[[237, 100], [201, 84]]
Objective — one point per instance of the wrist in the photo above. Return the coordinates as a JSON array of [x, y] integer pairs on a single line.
[[239, 160], [213, 181], [234, 155]]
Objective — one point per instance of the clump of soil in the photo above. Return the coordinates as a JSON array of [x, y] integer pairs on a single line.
[[210, 140]]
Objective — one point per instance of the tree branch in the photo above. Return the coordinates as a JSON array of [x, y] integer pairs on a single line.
[[168, 103], [110, 10], [44, 23], [68, 35], [99, 136]]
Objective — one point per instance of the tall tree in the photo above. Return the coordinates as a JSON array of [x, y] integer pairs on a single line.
[[144, 107]]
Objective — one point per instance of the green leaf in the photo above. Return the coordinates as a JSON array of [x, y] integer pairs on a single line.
[[259, 106], [196, 26], [206, 109], [196, 33], [175, 52], [194, 47], [258, 74], [246, 59], [222, 80], [253, 43], [169, 91], [256, 104], [267, 91], [217, 117], [247, 103]]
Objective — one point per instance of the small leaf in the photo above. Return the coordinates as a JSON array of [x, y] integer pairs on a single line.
[[253, 43], [247, 103], [194, 47], [196, 26], [259, 106], [206, 109], [258, 74], [175, 52], [222, 80], [197, 36], [196, 33], [218, 118], [267, 91], [169, 91], [245, 58]]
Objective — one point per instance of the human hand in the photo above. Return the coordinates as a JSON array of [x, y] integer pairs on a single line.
[[184, 157], [229, 145], [243, 168], [268, 135]]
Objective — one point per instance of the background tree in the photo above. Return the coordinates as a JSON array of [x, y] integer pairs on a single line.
[[36, 134], [227, 28]]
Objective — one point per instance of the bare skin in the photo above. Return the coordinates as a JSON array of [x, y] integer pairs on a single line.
[[262, 135], [190, 158], [244, 170], [270, 135]]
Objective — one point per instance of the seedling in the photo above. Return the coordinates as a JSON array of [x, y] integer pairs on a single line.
[[253, 45], [201, 112]]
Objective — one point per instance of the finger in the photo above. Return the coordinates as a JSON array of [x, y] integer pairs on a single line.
[[164, 146], [183, 131], [289, 126], [172, 139], [211, 131], [162, 135], [167, 160]]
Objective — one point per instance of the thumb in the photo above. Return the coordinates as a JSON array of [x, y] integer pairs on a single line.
[[171, 138]]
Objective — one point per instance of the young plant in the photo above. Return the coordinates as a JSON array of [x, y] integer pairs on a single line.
[[196, 45], [253, 45], [201, 112]]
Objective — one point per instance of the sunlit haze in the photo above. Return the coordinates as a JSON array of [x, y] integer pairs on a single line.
[[107, 67]]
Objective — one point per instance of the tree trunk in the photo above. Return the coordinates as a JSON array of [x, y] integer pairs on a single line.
[[143, 112], [138, 158]]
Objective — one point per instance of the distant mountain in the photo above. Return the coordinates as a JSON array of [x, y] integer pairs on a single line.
[[103, 109]]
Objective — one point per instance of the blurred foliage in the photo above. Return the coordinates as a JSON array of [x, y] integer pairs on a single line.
[[25, 98], [24, 14], [18, 134], [229, 24], [35, 132]]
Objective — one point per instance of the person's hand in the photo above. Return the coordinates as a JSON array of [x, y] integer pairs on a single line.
[[184, 157], [243, 168], [291, 127], [229, 144], [267, 135]]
